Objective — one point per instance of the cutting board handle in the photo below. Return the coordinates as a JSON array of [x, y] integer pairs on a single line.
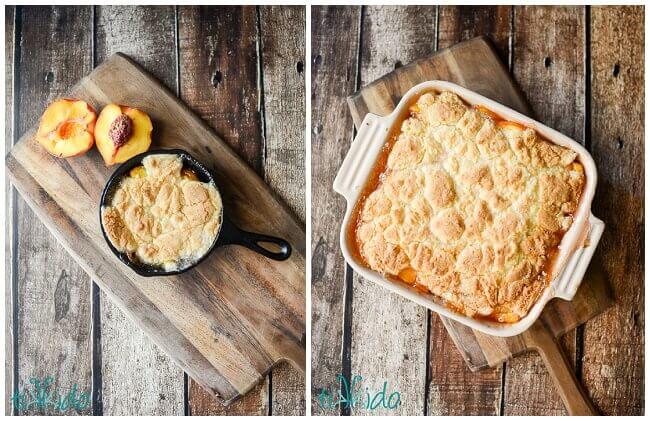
[[575, 398]]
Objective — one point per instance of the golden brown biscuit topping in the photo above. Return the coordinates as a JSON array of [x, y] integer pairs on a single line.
[[470, 207], [161, 216]]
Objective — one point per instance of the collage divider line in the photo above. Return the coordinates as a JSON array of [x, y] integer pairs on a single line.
[[308, 254], [260, 86], [14, 196], [95, 298], [262, 111]]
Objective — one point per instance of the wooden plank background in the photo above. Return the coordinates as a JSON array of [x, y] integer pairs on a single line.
[[241, 70], [583, 75]]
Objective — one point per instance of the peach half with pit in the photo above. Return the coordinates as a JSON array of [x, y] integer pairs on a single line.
[[122, 132], [66, 128]]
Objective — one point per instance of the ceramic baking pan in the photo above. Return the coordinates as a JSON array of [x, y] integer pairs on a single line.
[[575, 250]]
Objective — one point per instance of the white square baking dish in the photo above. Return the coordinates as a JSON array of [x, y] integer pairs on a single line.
[[575, 250]]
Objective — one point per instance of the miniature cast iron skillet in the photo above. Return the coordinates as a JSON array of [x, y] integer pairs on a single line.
[[228, 232]]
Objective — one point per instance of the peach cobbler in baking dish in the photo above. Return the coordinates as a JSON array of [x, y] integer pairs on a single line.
[[468, 207]]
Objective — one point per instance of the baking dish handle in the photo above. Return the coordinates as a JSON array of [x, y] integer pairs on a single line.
[[350, 175], [577, 265]]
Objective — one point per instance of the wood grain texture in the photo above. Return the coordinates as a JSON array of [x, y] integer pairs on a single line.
[[453, 388], [282, 55], [54, 292], [10, 200], [549, 66], [334, 71], [254, 402], [156, 387], [287, 391], [282, 36], [460, 23], [219, 74], [226, 321], [218, 78], [382, 321], [614, 343]]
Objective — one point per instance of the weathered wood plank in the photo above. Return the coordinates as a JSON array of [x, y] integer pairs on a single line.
[[287, 391], [144, 33], [453, 388], [218, 79], [549, 66], [334, 71], [283, 59], [218, 74], [54, 319], [282, 40], [254, 402], [382, 321], [460, 23], [613, 367], [10, 196], [147, 34]]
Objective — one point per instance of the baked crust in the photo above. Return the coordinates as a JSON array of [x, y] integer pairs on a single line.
[[469, 207], [161, 217]]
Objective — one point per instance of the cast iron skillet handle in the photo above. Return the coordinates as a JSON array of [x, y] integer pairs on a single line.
[[252, 241], [231, 234]]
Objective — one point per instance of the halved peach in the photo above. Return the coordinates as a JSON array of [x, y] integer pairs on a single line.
[[122, 132], [66, 128]]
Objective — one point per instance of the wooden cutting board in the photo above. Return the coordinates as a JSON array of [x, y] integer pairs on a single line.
[[225, 322], [475, 65]]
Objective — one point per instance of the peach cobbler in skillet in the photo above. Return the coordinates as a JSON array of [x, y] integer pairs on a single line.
[[468, 207], [162, 215]]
